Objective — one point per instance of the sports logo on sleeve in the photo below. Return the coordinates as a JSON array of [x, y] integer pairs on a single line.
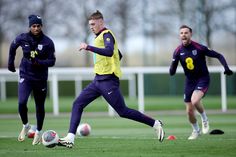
[[108, 39]]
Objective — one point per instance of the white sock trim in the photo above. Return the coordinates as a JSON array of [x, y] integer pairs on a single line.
[[26, 125], [71, 136], [37, 131], [157, 123], [195, 126], [204, 116]]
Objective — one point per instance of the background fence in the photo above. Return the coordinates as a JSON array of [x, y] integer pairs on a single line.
[[136, 82]]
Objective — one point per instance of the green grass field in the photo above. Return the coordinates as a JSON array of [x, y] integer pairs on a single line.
[[117, 137], [151, 104]]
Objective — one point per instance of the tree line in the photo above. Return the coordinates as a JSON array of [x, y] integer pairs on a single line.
[[151, 19]]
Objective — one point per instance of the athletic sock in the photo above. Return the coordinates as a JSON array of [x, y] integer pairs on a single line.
[[203, 116], [157, 123], [26, 125], [195, 126], [71, 136], [37, 131]]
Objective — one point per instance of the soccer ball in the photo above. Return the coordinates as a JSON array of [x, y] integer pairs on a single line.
[[31, 131], [50, 138], [84, 129]]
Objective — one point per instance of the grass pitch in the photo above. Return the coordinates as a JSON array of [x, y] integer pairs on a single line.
[[117, 137], [152, 103]]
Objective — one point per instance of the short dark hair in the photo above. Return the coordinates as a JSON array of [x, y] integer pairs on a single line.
[[185, 26], [96, 15]]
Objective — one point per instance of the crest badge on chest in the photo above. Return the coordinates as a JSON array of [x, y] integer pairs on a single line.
[[40, 46], [194, 52]]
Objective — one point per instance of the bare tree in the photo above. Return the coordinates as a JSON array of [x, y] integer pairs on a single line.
[[204, 15], [211, 12], [121, 18], [182, 9], [12, 21], [155, 20], [1, 32]]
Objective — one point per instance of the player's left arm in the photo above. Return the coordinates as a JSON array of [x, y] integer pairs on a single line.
[[221, 58], [109, 46], [50, 60]]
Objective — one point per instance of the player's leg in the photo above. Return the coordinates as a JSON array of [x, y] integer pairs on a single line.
[[24, 90], [196, 100], [111, 92], [198, 94], [204, 118], [88, 94], [190, 108], [40, 93]]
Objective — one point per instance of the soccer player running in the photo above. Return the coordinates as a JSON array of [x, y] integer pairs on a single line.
[[106, 82], [192, 57], [38, 54]]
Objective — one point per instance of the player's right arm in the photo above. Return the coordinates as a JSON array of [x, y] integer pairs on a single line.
[[174, 63], [12, 53], [109, 46]]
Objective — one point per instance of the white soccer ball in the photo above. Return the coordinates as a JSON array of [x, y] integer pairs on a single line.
[[50, 138], [84, 129]]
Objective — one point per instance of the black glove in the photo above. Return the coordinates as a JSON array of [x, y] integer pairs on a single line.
[[228, 72], [11, 67]]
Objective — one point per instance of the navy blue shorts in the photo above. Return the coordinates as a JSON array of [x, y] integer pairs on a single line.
[[198, 84]]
